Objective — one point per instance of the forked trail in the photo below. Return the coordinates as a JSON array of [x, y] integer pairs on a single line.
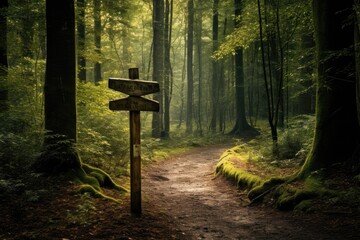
[[204, 207]]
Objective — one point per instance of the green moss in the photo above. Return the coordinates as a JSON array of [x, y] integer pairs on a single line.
[[289, 201], [80, 176], [92, 179], [103, 178], [238, 175], [86, 188], [289, 198], [265, 187]]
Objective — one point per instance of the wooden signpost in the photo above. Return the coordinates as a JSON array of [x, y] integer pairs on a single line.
[[134, 103]]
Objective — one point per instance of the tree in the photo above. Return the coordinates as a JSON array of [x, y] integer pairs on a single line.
[[336, 133], [81, 40], [215, 74], [167, 66], [158, 60], [190, 80], [60, 90], [357, 54], [241, 123], [59, 155], [198, 36], [3, 57], [97, 40], [272, 110]]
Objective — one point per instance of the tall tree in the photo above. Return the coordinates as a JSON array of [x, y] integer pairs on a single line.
[[241, 123], [215, 73], [60, 90], [158, 60], [81, 40], [357, 52], [167, 65], [97, 40], [271, 109], [336, 132], [59, 155], [198, 36], [3, 57], [60, 69], [190, 80]]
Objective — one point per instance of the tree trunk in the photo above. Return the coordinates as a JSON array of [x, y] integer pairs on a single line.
[[215, 74], [267, 83], [190, 80], [357, 55], [97, 40], [167, 75], [158, 61], [60, 85], [198, 33], [336, 132], [81, 40], [182, 86], [241, 123], [59, 154], [3, 59]]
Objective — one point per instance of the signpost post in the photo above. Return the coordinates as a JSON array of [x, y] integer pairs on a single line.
[[135, 88]]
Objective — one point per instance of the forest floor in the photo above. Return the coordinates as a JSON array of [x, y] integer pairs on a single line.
[[182, 199]]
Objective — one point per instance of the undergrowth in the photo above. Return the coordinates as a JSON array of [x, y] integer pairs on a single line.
[[259, 165]]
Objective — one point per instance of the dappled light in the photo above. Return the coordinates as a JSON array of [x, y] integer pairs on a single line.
[[186, 119]]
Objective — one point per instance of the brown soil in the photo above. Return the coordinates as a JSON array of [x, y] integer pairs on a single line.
[[182, 199]]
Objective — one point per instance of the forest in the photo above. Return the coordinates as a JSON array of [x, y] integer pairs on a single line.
[[257, 134]]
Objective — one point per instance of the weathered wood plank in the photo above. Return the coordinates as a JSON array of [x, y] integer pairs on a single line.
[[133, 87], [132, 103]]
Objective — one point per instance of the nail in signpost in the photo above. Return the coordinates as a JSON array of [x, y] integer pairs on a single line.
[[134, 103]]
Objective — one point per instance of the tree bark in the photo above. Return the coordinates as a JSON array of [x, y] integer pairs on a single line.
[[241, 123], [81, 40], [3, 59], [198, 36], [215, 74], [60, 84], [357, 55], [167, 64], [336, 133], [97, 40], [190, 80], [158, 61]]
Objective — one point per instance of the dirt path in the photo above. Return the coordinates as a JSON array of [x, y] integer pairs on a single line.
[[204, 207]]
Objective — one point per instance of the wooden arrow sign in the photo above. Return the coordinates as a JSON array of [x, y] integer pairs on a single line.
[[132, 103], [134, 87]]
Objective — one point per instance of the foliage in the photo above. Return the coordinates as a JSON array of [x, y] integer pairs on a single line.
[[102, 134], [80, 215], [294, 142], [243, 35], [255, 165]]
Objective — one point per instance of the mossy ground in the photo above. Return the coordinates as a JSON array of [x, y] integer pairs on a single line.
[[274, 181]]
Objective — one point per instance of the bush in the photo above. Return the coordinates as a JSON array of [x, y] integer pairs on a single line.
[[102, 134]]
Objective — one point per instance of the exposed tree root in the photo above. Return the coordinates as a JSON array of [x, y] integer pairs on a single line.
[[61, 158]]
